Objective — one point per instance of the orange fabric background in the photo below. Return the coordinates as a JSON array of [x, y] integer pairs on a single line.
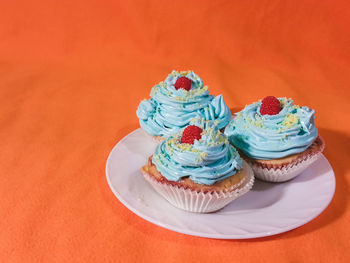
[[72, 74]]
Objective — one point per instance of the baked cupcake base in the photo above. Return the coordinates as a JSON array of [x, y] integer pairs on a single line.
[[284, 169], [189, 196]]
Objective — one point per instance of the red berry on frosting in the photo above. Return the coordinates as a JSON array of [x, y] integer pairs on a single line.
[[270, 105], [183, 83], [190, 134]]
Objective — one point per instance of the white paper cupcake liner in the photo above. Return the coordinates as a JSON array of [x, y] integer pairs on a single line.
[[284, 173], [201, 202]]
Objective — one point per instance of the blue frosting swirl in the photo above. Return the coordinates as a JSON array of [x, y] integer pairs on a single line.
[[169, 110], [209, 160], [267, 137]]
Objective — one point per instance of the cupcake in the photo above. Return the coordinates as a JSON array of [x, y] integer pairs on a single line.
[[277, 138], [197, 170], [177, 100]]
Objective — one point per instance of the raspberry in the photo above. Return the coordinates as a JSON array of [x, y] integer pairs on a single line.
[[183, 83], [270, 105], [190, 134]]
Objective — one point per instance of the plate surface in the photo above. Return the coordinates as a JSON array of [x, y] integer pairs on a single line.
[[268, 209]]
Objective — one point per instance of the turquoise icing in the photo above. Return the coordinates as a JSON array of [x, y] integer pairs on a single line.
[[267, 137], [169, 110], [207, 161]]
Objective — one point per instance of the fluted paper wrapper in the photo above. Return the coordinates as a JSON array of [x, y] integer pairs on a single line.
[[202, 202], [283, 173]]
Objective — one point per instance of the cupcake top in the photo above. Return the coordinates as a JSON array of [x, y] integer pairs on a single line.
[[272, 128], [177, 100], [200, 152]]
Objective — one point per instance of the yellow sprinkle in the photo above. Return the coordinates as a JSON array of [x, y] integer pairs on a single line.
[[257, 124], [197, 92], [204, 154], [184, 146], [184, 72], [290, 120], [172, 141]]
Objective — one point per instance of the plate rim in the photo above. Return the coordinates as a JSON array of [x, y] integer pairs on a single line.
[[205, 235]]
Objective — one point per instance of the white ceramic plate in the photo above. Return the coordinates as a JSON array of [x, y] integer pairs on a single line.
[[268, 209]]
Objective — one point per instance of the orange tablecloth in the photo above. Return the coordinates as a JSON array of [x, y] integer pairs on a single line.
[[71, 76]]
